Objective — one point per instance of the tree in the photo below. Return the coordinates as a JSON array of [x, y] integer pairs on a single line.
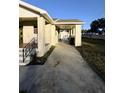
[[102, 24], [98, 25], [94, 26]]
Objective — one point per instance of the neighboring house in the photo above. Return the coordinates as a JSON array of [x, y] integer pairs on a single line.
[[64, 35], [37, 27]]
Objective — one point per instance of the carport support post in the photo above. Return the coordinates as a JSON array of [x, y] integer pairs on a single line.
[[41, 36], [77, 35]]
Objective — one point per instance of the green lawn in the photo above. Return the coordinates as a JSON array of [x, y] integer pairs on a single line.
[[93, 51]]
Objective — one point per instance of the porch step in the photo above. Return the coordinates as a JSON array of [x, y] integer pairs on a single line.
[[28, 58], [20, 49], [21, 52], [21, 58]]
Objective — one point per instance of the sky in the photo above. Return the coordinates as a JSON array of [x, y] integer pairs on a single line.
[[85, 10]]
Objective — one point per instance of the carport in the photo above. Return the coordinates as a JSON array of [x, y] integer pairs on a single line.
[[72, 27]]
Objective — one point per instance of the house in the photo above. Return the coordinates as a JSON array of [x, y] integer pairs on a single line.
[[38, 31], [63, 35]]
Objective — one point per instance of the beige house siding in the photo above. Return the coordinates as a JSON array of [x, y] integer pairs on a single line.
[[27, 33], [26, 13]]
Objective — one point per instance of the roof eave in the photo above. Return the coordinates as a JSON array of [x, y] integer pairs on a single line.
[[69, 23], [40, 11]]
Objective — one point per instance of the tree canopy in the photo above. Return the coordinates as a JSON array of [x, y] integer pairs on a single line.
[[98, 25]]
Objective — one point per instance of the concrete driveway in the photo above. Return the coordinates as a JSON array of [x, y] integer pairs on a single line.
[[64, 72]]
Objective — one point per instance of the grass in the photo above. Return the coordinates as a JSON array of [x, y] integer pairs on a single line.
[[93, 51], [41, 60]]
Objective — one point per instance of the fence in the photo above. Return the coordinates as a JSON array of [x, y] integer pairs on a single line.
[[94, 36]]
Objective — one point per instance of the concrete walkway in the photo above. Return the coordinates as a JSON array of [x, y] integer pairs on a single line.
[[64, 72]]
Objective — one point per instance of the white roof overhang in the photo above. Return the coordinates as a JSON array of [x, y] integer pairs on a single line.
[[37, 10]]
